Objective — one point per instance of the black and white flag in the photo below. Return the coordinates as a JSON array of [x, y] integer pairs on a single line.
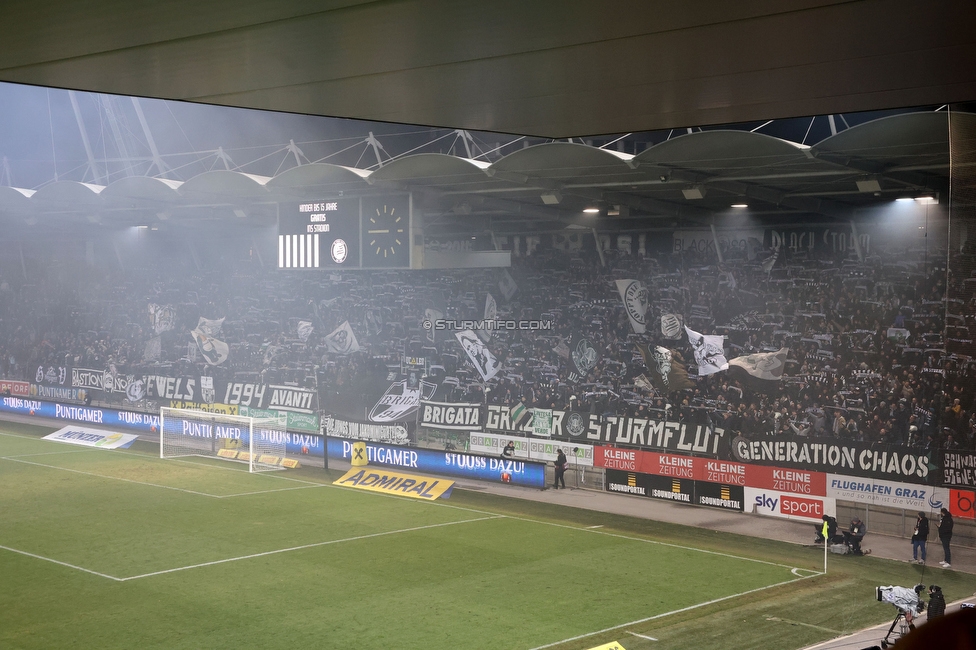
[[210, 327], [491, 313], [583, 357], [342, 340], [708, 351], [214, 352], [635, 298], [665, 368], [767, 366], [671, 326], [507, 286], [304, 330], [431, 316], [161, 319], [479, 354]]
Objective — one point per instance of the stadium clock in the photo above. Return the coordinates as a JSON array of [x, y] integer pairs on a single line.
[[386, 231]]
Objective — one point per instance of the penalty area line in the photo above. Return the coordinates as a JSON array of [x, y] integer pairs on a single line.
[[657, 616], [302, 547], [70, 566]]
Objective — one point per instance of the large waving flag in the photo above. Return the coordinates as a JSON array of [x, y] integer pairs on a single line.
[[342, 340], [479, 354], [214, 352], [767, 366], [635, 298], [709, 354], [665, 369]]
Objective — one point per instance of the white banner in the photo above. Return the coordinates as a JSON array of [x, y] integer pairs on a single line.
[[539, 450], [92, 437], [887, 493], [799, 507], [542, 422]]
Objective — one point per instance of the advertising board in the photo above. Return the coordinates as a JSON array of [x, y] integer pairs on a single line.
[[799, 507]]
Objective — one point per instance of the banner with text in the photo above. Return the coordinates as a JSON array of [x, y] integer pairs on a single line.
[[879, 492]]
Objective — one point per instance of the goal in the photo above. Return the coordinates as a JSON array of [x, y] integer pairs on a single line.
[[259, 442]]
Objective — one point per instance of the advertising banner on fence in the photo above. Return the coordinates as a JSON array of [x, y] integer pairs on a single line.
[[961, 504], [226, 409], [789, 506], [541, 450], [681, 490], [60, 393], [887, 493], [75, 435], [15, 388], [779, 479], [517, 472], [711, 470], [443, 415], [829, 455], [958, 468]]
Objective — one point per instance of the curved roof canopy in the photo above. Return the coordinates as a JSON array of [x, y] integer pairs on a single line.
[[695, 176]]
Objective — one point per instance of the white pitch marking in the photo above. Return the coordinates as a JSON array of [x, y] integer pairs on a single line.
[[70, 566], [114, 478], [677, 611], [305, 546], [287, 489], [592, 527], [651, 541], [649, 638]]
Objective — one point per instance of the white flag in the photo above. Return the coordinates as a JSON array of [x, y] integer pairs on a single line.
[[214, 352], [634, 296], [210, 327], [431, 316], [162, 319], [304, 330], [491, 313], [479, 354], [709, 354], [763, 365], [154, 349], [506, 284], [342, 340]]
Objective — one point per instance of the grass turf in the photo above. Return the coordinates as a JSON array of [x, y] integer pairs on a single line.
[[478, 571]]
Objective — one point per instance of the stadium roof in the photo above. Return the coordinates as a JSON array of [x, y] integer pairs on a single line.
[[551, 68], [687, 179]]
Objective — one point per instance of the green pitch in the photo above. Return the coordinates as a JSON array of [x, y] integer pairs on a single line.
[[119, 549]]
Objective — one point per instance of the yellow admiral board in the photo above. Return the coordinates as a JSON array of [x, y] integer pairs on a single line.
[[398, 483]]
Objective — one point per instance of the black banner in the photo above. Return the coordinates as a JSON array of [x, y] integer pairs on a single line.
[[958, 469], [850, 458], [657, 435]]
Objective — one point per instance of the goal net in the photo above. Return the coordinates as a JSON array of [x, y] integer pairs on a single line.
[[259, 442]]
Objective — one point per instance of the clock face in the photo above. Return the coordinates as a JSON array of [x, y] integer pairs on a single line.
[[386, 231]]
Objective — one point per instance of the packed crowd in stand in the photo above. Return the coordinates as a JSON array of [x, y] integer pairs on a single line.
[[878, 348]]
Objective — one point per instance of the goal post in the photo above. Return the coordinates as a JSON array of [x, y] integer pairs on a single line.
[[259, 442]]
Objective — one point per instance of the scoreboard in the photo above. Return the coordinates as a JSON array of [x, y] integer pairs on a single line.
[[350, 233]]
